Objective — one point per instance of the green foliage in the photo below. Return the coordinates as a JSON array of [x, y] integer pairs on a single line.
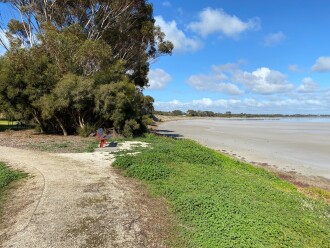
[[221, 202], [92, 146], [149, 172], [86, 130], [8, 175], [87, 68], [131, 128], [147, 120], [177, 112]]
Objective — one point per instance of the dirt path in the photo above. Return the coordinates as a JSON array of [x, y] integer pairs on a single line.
[[76, 200]]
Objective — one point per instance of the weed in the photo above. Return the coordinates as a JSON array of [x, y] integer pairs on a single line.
[[66, 146], [51, 146], [7, 176], [92, 146], [318, 193]]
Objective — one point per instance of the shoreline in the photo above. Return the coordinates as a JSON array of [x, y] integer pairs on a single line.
[[302, 177]]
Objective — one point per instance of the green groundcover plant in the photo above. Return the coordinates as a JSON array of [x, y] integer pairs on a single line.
[[7, 176], [221, 202]]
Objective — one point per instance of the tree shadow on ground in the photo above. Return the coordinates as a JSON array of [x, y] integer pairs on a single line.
[[167, 133]]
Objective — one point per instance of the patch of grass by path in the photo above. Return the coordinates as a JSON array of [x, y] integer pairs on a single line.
[[7, 176], [12, 125], [4, 124], [221, 202], [83, 145], [91, 146]]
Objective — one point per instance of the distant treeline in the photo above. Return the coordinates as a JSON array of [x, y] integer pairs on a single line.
[[200, 113]]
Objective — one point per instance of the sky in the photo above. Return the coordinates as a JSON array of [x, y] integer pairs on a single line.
[[243, 56]]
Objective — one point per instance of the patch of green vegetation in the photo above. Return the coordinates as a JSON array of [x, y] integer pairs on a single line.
[[4, 125], [221, 202], [92, 145], [318, 193], [10, 125], [83, 145], [51, 146], [7, 176], [3, 122]]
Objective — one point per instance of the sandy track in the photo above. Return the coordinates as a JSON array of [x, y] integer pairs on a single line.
[[74, 201]]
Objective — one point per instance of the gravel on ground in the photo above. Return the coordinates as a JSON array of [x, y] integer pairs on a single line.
[[76, 200]]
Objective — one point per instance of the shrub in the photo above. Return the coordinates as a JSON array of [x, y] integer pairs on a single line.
[[146, 120], [131, 128], [86, 130]]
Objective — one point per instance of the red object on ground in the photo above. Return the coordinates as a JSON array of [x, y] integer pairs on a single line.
[[102, 137]]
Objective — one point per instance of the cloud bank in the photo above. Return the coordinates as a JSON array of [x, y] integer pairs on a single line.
[[231, 80], [294, 105]]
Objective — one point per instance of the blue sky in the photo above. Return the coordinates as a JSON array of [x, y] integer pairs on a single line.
[[244, 56]]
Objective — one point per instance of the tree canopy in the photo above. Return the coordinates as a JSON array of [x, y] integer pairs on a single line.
[[75, 65]]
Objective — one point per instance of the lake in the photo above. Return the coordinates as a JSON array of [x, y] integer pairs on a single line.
[[292, 144]]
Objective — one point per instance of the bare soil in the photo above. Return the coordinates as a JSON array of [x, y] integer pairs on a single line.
[[29, 139], [75, 199]]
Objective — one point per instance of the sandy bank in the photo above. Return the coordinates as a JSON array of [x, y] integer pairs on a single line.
[[302, 148]]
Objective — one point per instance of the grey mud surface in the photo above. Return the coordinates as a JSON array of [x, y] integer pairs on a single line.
[[298, 148], [75, 200]]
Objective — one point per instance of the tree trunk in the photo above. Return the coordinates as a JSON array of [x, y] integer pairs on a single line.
[[81, 121], [39, 121], [65, 133]]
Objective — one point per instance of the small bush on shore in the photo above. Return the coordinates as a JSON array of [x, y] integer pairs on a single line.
[[221, 202]]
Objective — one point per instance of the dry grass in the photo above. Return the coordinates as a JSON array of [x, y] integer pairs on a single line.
[[28, 139]]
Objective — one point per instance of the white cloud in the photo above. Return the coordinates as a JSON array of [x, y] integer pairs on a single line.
[[158, 79], [294, 68], [228, 78], [263, 81], [327, 97], [308, 85], [180, 41], [218, 21], [213, 83], [203, 102], [217, 81], [171, 105], [322, 64], [225, 68], [166, 4], [273, 39]]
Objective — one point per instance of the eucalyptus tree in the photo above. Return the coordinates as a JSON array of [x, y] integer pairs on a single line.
[[72, 63], [127, 26]]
